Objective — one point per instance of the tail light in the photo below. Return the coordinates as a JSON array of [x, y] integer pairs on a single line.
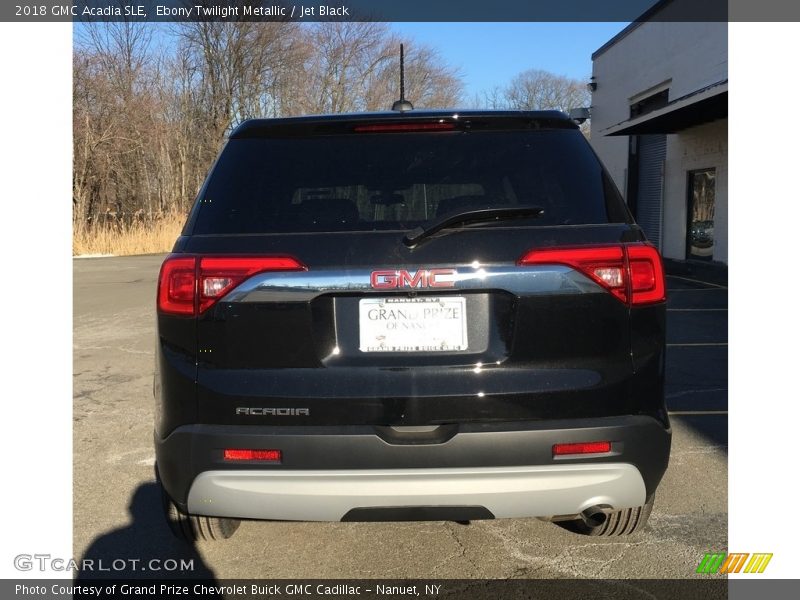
[[190, 285], [647, 275], [176, 286], [633, 273]]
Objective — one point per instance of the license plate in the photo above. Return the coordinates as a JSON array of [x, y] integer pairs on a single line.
[[412, 324]]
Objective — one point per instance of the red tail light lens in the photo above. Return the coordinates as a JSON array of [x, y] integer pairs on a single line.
[[176, 286], [603, 264], [633, 273], [273, 456], [647, 275], [190, 285], [581, 448], [219, 275]]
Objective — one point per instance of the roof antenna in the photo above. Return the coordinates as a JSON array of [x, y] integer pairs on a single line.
[[402, 105]]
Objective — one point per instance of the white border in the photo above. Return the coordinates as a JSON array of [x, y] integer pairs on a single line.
[[35, 154], [36, 275], [764, 213]]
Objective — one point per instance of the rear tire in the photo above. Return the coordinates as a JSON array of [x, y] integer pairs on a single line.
[[196, 528], [619, 522]]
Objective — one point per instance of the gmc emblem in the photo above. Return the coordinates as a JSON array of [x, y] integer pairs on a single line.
[[423, 278]]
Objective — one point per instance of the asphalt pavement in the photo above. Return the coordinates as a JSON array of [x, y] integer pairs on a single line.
[[117, 514]]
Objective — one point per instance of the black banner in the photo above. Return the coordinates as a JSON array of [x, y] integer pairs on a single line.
[[706, 588], [711, 588], [398, 11]]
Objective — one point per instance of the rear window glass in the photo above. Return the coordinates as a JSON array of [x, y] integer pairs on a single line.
[[398, 181]]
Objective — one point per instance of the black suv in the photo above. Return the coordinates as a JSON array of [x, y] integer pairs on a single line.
[[410, 316]]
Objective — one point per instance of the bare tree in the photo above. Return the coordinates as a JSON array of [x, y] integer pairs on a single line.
[[356, 66], [235, 68], [493, 99], [340, 58], [122, 50], [430, 82], [541, 90], [153, 104], [537, 90], [113, 84]]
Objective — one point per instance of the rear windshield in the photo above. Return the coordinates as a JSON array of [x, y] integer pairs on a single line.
[[398, 181]]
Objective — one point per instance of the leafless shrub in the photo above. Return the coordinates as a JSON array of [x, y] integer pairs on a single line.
[[152, 105]]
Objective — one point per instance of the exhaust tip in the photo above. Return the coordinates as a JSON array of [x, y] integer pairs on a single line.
[[594, 516]]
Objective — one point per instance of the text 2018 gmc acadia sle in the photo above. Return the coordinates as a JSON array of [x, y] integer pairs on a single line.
[[417, 315]]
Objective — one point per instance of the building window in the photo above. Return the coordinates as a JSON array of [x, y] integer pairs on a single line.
[[700, 226], [649, 104]]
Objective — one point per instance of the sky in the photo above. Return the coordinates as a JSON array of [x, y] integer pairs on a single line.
[[491, 54]]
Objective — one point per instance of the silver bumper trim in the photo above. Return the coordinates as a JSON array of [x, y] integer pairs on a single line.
[[537, 491], [302, 286]]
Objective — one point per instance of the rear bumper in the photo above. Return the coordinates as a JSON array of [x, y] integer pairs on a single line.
[[335, 495], [506, 469]]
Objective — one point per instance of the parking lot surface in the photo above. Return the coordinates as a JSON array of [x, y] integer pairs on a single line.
[[117, 512]]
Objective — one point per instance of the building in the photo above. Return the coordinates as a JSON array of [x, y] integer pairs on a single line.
[[659, 122]]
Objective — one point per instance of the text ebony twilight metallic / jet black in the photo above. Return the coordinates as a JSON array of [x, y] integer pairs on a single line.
[[410, 315]]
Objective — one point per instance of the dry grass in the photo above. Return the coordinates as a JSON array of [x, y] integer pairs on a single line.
[[126, 239]]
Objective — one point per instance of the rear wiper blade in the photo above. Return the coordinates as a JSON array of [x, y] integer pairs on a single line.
[[480, 215]]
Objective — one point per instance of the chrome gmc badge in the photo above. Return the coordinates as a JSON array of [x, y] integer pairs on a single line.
[[422, 278]]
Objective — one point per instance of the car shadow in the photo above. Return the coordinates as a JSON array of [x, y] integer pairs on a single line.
[[714, 428], [145, 548]]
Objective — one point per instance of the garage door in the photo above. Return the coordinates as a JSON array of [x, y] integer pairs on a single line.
[[650, 187]]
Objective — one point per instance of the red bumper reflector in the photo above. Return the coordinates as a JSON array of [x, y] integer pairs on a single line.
[[581, 448], [273, 456]]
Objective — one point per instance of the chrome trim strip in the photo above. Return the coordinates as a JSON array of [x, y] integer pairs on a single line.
[[327, 495], [300, 286]]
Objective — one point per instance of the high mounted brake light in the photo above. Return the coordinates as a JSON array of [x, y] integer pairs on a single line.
[[633, 273], [190, 285], [403, 127]]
